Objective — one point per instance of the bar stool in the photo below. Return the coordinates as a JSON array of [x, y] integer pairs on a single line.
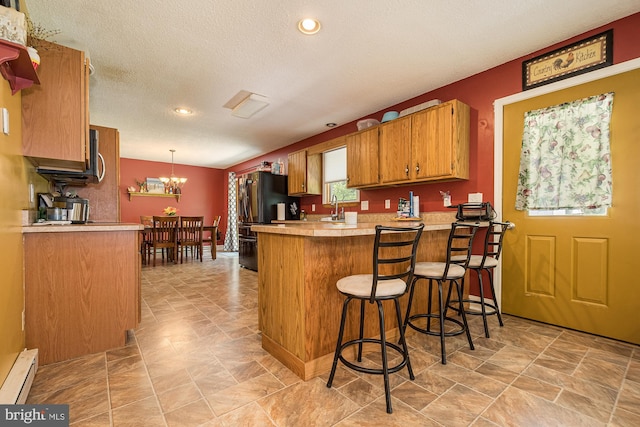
[[486, 262], [394, 259], [459, 244]]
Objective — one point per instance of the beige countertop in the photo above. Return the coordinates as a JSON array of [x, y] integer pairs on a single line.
[[337, 229], [90, 227]]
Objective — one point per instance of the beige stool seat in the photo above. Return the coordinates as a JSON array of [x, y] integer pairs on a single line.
[[394, 259], [436, 269], [360, 285]]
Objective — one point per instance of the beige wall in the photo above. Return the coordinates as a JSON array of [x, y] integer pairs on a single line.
[[13, 183], [15, 175]]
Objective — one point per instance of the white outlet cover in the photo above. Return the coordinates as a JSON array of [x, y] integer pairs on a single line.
[[364, 205], [313, 207], [5, 121], [387, 204]]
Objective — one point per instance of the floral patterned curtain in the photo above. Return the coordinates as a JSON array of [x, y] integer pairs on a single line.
[[565, 161], [231, 237]]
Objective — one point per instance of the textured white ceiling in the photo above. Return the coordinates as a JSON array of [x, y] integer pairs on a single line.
[[151, 56]]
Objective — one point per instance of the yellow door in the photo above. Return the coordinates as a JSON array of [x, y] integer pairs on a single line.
[[578, 272]]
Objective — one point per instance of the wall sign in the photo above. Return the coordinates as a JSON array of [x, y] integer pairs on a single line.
[[581, 57]]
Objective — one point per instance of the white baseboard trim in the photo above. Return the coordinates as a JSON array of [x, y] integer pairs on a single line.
[[16, 387]]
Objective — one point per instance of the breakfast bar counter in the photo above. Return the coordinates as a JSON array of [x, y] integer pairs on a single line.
[[299, 306]]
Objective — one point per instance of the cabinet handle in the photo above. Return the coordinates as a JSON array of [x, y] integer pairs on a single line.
[[406, 170], [302, 185], [347, 179], [417, 168]]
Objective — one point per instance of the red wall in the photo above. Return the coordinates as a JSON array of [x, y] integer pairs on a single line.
[[201, 193], [479, 92]]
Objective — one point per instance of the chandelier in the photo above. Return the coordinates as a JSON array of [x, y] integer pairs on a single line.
[[173, 184]]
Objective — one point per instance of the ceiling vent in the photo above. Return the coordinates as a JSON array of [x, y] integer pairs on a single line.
[[245, 104]]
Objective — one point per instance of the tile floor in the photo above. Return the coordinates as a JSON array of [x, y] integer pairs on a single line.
[[196, 360]]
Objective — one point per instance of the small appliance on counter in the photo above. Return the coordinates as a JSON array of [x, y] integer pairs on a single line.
[[77, 209]]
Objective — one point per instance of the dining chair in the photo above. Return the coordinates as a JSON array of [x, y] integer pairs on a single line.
[[147, 238], [190, 236], [165, 236], [214, 236]]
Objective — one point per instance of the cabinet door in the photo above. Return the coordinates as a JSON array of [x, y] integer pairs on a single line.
[[362, 158], [55, 113], [104, 197], [305, 173], [395, 150], [297, 164], [440, 138]]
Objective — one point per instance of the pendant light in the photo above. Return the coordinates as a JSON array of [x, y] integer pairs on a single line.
[[173, 184]]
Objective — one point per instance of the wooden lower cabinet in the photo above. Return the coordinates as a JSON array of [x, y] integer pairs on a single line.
[[82, 291]]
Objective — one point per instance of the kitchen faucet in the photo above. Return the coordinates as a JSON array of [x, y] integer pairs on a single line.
[[336, 215]]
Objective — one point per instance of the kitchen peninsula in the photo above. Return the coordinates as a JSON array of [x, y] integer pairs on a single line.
[[82, 287], [299, 264]]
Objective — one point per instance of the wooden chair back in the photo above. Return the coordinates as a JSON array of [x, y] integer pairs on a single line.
[[165, 234], [191, 235]]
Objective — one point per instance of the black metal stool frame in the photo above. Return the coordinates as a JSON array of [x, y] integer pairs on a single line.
[[459, 242], [406, 274], [492, 249]]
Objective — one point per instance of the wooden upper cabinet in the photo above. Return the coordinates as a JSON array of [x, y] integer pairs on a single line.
[[440, 142], [305, 173], [395, 151], [55, 114], [104, 197], [362, 158]]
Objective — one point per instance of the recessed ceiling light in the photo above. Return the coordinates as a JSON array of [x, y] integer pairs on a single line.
[[309, 26], [331, 125], [183, 111]]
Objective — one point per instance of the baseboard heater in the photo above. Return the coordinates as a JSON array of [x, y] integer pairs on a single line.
[[18, 383]]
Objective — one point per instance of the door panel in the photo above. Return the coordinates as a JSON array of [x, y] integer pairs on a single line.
[[577, 272]]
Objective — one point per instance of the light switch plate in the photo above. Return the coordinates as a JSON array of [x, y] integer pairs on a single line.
[[313, 207], [5, 121], [364, 205], [387, 204]]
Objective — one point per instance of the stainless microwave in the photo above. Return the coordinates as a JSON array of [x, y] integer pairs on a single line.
[[92, 175]]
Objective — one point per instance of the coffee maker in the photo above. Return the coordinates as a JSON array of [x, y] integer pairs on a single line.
[[76, 207]]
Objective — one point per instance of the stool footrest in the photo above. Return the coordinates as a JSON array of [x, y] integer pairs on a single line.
[[453, 333], [492, 307], [360, 368]]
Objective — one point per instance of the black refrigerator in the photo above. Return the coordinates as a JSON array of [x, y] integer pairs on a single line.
[[258, 196]]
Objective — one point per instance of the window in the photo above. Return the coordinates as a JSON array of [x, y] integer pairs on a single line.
[[334, 176]]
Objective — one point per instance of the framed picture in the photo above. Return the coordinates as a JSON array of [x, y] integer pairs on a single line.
[[11, 3], [577, 58], [154, 185]]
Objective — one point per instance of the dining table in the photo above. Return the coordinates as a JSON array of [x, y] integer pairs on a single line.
[[147, 230]]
